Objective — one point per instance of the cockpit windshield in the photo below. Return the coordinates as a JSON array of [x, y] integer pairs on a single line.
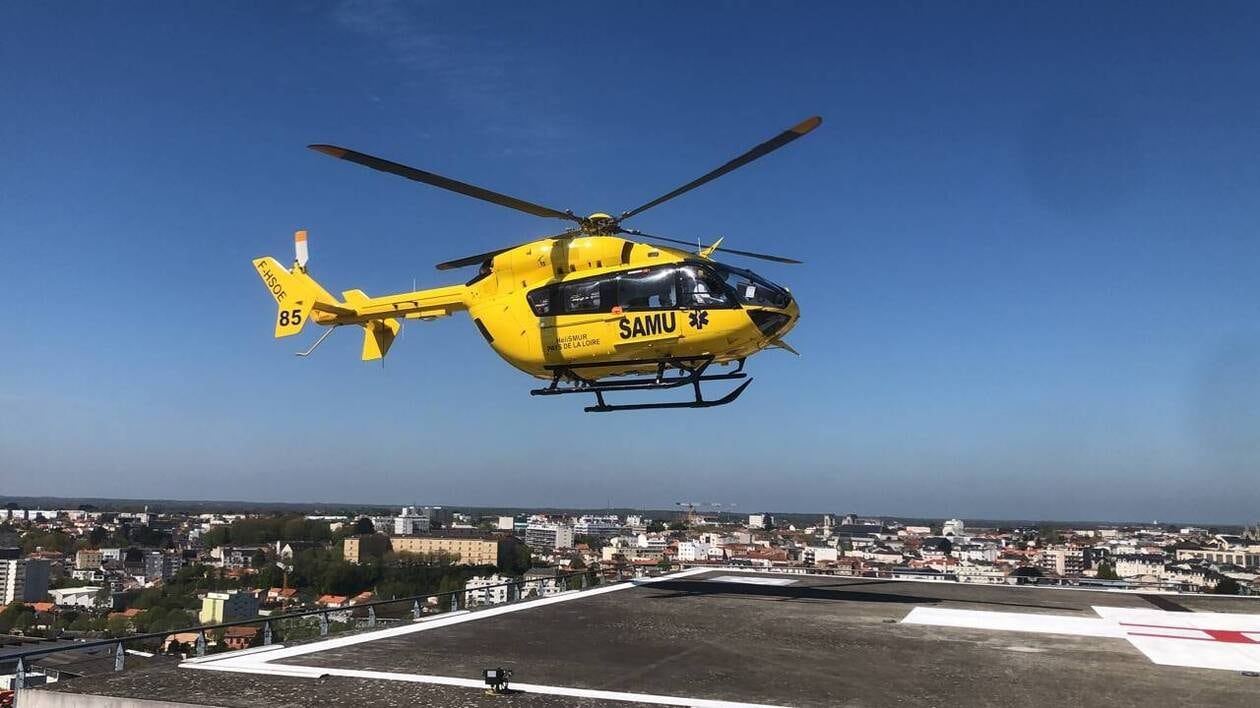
[[752, 289]]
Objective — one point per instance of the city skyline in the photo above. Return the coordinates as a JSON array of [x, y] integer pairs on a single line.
[[253, 506]]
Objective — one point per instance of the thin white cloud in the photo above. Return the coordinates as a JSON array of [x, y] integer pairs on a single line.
[[471, 72]]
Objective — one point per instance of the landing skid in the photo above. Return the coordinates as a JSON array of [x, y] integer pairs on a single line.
[[567, 378]]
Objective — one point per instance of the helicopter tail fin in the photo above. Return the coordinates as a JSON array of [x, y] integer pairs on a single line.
[[378, 334], [295, 292]]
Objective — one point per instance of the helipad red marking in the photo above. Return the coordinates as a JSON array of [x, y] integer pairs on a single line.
[[1228, 636]]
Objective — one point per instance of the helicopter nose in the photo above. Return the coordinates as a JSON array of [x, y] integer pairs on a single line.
[[794, 314], [775, 323]]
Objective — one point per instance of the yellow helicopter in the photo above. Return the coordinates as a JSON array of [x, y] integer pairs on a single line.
[[584, 309]]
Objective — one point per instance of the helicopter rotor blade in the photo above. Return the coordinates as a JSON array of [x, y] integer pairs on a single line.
[[482, 257], [761, 150], [723, 249], [472, 260], [468, 190]]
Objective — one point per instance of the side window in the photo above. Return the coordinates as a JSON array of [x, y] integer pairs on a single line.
[[703, 288], [540, 300], [581, 297], [647, 289]]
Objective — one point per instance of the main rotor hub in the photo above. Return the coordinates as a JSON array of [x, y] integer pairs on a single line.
[[600, 223]]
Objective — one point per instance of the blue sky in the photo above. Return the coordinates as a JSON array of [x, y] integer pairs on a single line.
[[1030, 231]]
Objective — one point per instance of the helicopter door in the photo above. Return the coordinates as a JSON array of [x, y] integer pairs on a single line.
[[573, 319], [647, 312], [713, 321]]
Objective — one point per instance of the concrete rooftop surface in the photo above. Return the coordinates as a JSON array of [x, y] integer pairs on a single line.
[[726, 638]]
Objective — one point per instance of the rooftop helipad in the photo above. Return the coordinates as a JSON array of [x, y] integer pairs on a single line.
[[711, 638]]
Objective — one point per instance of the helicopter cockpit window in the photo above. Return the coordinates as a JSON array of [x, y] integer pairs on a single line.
[[647, 289], [540, 301], [752, 289], [702, 288], [581, 296]]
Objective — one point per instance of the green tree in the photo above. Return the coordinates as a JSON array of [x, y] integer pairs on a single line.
[[268, 576], [520, 561], [117, 626], [55, 540], [96, 537], [1107, 572], [9, 618], [364, 526], [655, 526]]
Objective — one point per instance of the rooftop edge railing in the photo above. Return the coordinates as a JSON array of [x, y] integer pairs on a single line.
[[455, 599]]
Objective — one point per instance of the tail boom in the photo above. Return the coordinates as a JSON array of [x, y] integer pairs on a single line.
[[299, 299]]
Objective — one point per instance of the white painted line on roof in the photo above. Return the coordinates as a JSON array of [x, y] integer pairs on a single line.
[[442, 620], [260, 668], [443, 615], [1015, 622], [231, 654], [649, 698], [750, 580]]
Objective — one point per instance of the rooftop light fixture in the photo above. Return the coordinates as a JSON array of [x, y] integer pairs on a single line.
[[497, 680]]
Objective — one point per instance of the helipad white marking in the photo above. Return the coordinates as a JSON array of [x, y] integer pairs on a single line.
[[749, 580], [1167, 632], [1015, 622], [1199, 654], [649, 698], [1207, 640]]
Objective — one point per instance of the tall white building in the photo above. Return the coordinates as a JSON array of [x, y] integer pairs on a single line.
[[479, 592], [75, 597], [655, 543], [411, 521], [692, 551], [548, 536], [506, 523], [23, 580], [760, 521], [602, 526], [820, 554], [954, 528]]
